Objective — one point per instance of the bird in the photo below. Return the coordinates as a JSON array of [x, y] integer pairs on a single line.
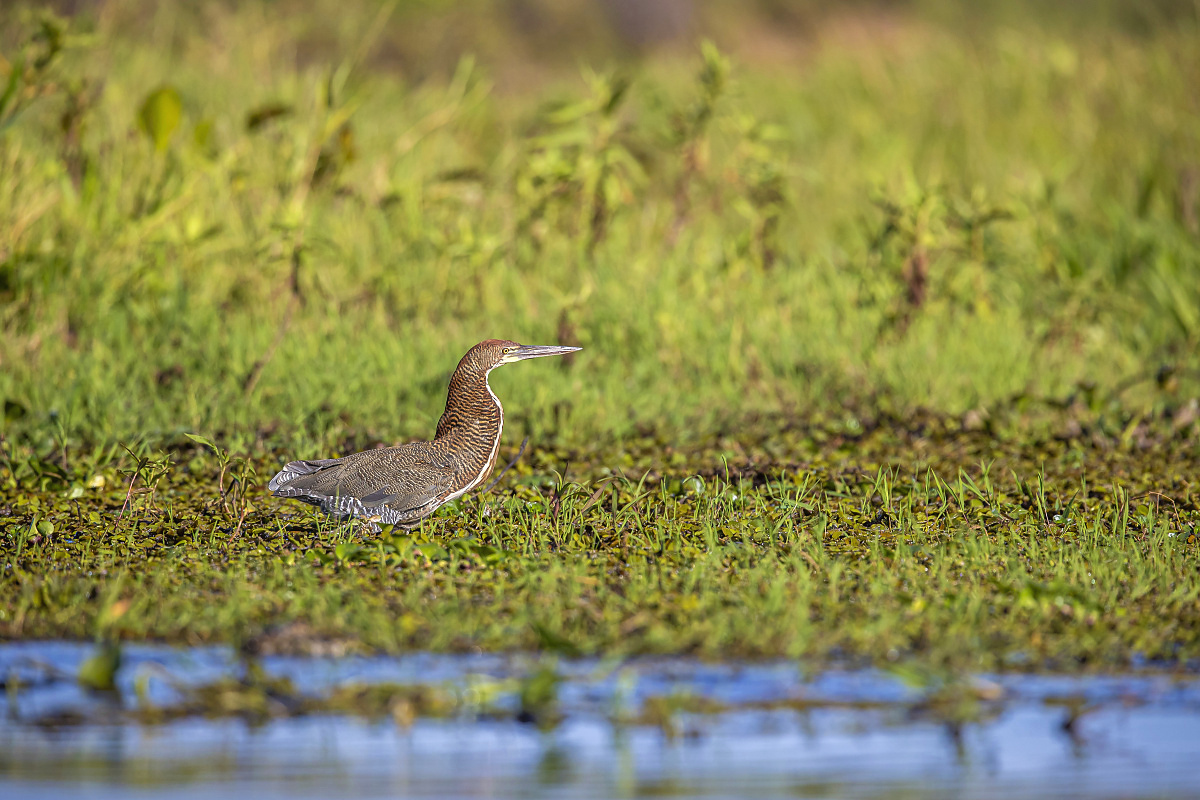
[[404, 484]]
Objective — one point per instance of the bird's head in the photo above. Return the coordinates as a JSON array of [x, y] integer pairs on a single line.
[[492, 353]]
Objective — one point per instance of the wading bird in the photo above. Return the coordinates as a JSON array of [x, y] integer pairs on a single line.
[[404, 484]]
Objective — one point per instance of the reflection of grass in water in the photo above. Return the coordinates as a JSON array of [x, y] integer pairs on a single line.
[[770, 275], [530, 691]]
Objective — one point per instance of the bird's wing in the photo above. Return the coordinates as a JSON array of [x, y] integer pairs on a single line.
[[411, 479], [407, 498], [401, 478]]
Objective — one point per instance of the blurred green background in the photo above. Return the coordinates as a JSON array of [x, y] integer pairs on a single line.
[[288, 220]]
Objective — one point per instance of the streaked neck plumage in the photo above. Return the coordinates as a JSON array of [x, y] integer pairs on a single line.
[[472, 423], [471, 405]]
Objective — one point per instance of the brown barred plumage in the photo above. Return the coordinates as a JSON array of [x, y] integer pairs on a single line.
[[404, 484]]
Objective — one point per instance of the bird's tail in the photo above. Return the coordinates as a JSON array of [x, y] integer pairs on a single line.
[[297, 469]]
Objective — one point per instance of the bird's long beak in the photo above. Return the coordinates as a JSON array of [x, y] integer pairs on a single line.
[[538, 350]]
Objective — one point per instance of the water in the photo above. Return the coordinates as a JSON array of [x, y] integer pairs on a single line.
[[857, 734]]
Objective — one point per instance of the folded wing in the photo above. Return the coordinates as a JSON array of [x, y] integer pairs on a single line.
[[402, 481]]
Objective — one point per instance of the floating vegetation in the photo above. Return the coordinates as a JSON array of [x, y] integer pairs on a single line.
[[882, 544]]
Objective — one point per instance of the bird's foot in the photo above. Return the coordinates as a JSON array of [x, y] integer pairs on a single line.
[[368, 528]]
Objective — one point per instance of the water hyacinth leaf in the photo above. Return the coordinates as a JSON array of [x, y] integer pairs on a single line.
[[160, 115]]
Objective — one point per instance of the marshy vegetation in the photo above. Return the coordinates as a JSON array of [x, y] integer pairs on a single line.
[[891, 324]]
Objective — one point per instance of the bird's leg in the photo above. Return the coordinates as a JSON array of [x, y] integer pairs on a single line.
[[367, 526]]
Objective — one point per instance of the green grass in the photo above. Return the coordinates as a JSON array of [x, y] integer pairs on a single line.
[[832, 286], [965, 554]]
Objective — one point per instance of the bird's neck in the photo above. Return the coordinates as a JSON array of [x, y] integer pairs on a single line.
[[471, 406]]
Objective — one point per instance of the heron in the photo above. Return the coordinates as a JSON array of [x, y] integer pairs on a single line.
[[402, 485]]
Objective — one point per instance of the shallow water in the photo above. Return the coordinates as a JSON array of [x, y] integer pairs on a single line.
[[856, 733]]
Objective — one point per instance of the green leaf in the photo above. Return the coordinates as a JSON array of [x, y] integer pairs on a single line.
[[433, 551], [489, 554], [539, 696], [14, 82], [14, 410], [195, 437], [45, 527], [318, 555], [202, 136], [395, 542], [160, 115], [100, 670], [555, 642], [264, 114], [347, 551]]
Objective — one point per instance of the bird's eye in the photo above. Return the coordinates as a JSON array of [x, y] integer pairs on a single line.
[[508, 350]]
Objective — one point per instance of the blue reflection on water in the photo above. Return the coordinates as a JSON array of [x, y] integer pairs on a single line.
[[1140, 737]]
